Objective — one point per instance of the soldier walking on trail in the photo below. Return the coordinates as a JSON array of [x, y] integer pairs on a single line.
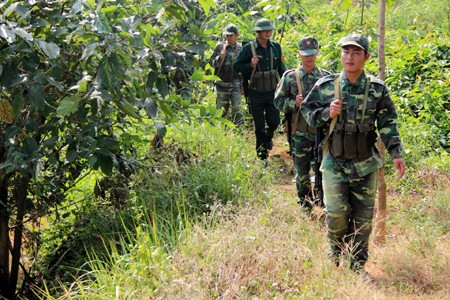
[[260, 60], [293, 87], [229, 88], [351, 106]]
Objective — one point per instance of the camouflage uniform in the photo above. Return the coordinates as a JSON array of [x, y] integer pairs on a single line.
[[229, 88], [350, 183], [265, 116], [304, 138]]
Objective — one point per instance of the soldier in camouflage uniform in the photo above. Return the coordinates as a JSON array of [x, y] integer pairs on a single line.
[[349, 166], [288, 100], [260, 60], [229, 88]]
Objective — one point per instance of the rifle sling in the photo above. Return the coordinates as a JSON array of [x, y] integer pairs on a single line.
[[337, 95], [300, 92], [252, 45]]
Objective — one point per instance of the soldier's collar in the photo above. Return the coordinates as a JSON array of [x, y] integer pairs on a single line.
[[361, 81]]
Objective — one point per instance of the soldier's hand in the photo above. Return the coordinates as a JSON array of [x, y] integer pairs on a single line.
[[399, 166], [254, 61], [335, 108], [298, 100], [223, 53]]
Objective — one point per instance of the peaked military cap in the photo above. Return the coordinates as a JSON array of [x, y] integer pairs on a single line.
[[308, 46], [355, 39], [263, 24], [231, 29]]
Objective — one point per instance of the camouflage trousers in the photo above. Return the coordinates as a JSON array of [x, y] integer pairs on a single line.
[[229, 94], [349, 207], [303, 147]]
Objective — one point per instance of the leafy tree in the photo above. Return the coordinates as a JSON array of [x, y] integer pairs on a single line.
[[74, 75]]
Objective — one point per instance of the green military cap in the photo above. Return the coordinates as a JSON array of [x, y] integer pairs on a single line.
[[263, 24], [355, 39], [308, 46], [231, 29]]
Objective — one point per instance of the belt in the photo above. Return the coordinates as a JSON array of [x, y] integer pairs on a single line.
[[228, 84]]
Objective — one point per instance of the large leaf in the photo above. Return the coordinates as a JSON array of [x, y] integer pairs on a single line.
[[7, 33], [110, 69], [51, 50], [207, 5], [68, 105], [36, 96], [22, 33]]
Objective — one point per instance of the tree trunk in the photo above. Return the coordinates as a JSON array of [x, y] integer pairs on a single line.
[[20, 194], [4, 238], [381, 213]]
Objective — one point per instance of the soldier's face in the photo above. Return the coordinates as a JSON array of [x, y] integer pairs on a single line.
[[264, 34], [231, 38], [353, 59], [309, 61]]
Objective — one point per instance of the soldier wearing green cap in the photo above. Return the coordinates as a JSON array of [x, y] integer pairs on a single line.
[[260, 61], [288, 98], [229, 88], [351, 107]]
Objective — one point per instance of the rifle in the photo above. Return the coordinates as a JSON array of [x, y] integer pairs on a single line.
[[288, 120], [317, 153]]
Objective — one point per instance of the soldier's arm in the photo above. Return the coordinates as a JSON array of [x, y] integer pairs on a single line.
[[281, 66], [284, 100], [214, 60], [242, 63], [387, 124], [315, 107]]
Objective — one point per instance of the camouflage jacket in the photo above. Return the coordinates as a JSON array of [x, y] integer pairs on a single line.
[[226, 71], [380, 111], [287, 90]]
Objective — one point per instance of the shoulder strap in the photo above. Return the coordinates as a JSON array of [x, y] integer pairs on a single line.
[[300, 92], [224, 46], [252, 45], [337, 95]]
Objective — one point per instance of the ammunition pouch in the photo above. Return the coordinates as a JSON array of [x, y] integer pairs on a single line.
[[265, 81], [353, 141], [304, 127], [226, 73]]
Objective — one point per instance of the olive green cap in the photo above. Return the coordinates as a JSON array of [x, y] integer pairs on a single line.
[[308, 46], [231, 29], [263, 24], [355, 39]]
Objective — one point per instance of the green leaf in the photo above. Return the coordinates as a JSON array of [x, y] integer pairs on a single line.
[[198, 75], [30, 147], [36, 96], [161, 128], [151, 108], [88, 51], [163, 88], [207, 5], [106, 164], [7, 34], [71, 155], [68, 105], [93, 161], [127, 109], [22, 33], [151, 79], [51, 50], [11, 9]]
